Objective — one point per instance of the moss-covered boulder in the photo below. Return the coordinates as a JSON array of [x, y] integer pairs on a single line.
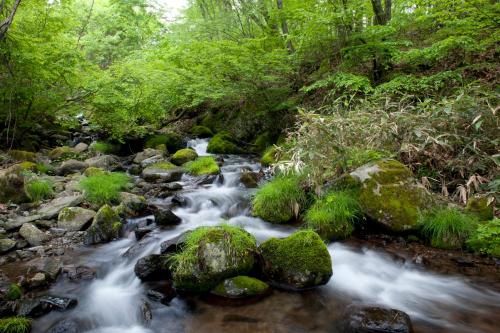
[[300, 261], [201, 132], [280, 200], [74, 218], [147, 153], [131, 204], [240, 287], [262, 141], [21, 155], [212, 254], [93, 171], [63, 153], [183, 156], [12, 184], [481, 207], [105, 227], [205, 165], [171, 140], [249, 179], [390, 195], [222, 143]]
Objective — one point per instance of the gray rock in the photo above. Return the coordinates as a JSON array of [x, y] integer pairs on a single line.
[[152, 174], [147, 153], [81, 147], [152, 268], [33, 235], [7, 244], [107, 162], [131, 204], [376, 320], [105, 227], [42, 305], [165, 217], [11, 181], [240, 287], [52, 209], [71, 166], [152, 160], [74, 218]]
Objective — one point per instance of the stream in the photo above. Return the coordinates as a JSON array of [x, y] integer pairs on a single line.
[[111, 302]]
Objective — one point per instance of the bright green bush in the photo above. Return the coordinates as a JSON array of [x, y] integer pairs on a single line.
[[486, 238], [280, 200], [104, 188], [333, 216], [222, 143], [205, 165], [38, 189], [102, 147], [447, 228], [15, 325]]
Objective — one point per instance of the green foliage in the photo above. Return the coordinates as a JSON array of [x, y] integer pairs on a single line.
[[14, 293], [38, 189], [269, 156], [172, 141], [205, 165], [447, 228], [21, 155], [162, 165], [280, 200], [15, 325], [222, 143], [333, 216], [357, 157], [104, 188], [486, 238], [44, 168], [201, 132], [102, 147]]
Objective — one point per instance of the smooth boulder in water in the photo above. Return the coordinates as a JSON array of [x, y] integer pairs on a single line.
[[299, 261], [152, 268], [240, 287], [375, 320]]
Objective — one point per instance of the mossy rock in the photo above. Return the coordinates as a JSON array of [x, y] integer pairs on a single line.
[[74, 218], [480, 207], [262, 142], [299, 261], [29, 166], [131, 204], [14, 293], [249, 179], [63, 153], [209, 122], [15, 325], [205, 165], [390, 195], [171, 140], [105, 227], [21, 155], [94, 171], [211, 255], [201, 132], [11, 184], [269, 156], [222, 143], [183, 156], [240, 287]]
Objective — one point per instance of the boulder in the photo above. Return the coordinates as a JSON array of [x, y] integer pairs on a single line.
[[6, 244], [183, 156], [299, 261], [81, 147], [154, 173], [105, 227], [390, 195], [106, 162], [201, 132], [164, 296], [147, 153], [74, 218], [12, 184], [376, 320], [33, 235], [249, 179], [240, 287], [71, 166], [152, 268], [63, 153], [68, 325], [165, 217], [131, 204], [222, 143], [212, 254], [22, 155], [42, 305], [481, 206]]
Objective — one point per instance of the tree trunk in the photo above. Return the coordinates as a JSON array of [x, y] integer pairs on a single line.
[[5, 25], [284, 27], [382, 13]]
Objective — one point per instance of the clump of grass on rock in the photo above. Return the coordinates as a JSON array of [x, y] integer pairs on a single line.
[[15, 325], [205, 165], [447, 228], [38, 189], [102, 147], [104, 188], [280, 200], [333, 216]]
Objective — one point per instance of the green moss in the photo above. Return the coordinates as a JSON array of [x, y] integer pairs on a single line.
[[479, 206], [13, 293], [279, 200], [38, 189], [21, 155], [240, 286], [447, 228], [303, 252], [63, 153], [104, 188], [15, 325], [94, 171], [269, 156], [333, 216], [486, 238], [162, 166], [172, 141], [357, 157], [183, 156], [103, 147], [28, 166], [209, 121], [222, 143], [263, 141], [205, 165], [201, 132]]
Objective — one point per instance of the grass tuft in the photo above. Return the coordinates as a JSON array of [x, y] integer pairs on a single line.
[[102, 147], [447, 228], [104, 188], [15, 325], [38, 189], [205, 165]]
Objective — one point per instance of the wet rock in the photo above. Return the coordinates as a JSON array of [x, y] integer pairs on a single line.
[[147, 314], [42, 305], [206, 179], [164, 296], [141, 232], [36, 281], [71, 166], [106, 162], [7, 244], [173, 245], [68, 325], [11, 181], [52, 267], [180, 200], [173, 186], [79, 273], [81, 147], [376, 320], [249, 179], [105, 227], [165, 217], [152, 268], [240, 287], [146, 153], [131, 204], [33, 235], [299, 261], [74, 218], [152, 174], [237, 318]]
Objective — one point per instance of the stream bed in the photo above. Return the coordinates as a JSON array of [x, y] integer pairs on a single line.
[[112, 302]]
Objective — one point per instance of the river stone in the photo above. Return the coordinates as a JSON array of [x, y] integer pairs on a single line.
[[146, 153], [106, 162], [33, 235], [105, 227], [152, 160], [81, 147], [299, 261], [11, 183], [152, 268], [151, 174], [249, 179], [52, 209], [240, 287], [211, 255], [164, 296], [376, 320], [165, 217], [71, 166], [7, 244], [74, 218], [390, 195], [131, 204], [68, 325], [42, 305]]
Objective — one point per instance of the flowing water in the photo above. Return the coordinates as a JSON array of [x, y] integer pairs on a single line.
[[111, 303]]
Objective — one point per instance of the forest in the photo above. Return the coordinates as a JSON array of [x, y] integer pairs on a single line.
[[249, 166]]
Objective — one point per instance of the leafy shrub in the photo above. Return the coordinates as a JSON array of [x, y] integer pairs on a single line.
[[222, 143], [280, 200], [15, 325], [172, 141], [486, 238], [38, 189], [205, 165], [342, 83], [447, 228], [104, 188], [45, 168], [102, 147], [333, 216]]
